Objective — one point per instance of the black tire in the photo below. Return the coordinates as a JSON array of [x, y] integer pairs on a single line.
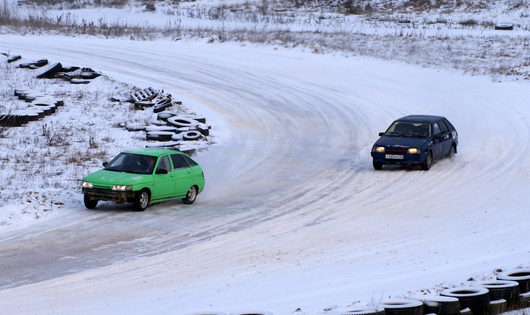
[[504, 27], [89, 75], [191, 135], [165, 115], [132, 127], [440, 305], [428, 162], [475, 298], [191, 196], [360, 311], [497, 307], [377, 165], [179, 121], [141, 200], [14, 58], [522, 276], [41, 63], [402, 307], [25, 65], [160, 136], [503, 290], [69, 68], [89, 202], [79, 81], [452, 152], [50, 71], [204, 129]]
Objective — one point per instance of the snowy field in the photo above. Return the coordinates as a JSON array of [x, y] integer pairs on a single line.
[[293, 215], [44, 161]]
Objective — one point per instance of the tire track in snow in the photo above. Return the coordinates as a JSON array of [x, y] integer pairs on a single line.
[[298, 157]]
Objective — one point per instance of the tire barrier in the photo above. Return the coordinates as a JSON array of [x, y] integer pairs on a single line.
[[521, 276], [38, 107], [34, 64], [475, 298], [503, 290], [402, 307], [171, 129], [73, 74], [440, 305]]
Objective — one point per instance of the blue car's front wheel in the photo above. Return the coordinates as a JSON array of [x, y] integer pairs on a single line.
[[377, 165], [428, 162]]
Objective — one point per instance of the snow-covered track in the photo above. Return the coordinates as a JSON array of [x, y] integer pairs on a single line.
[[290, 189]]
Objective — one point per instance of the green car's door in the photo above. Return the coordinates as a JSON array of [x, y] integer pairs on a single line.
[[183, 174], [164, 180]]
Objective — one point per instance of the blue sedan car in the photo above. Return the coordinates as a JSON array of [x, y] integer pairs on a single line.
[[415, 140]]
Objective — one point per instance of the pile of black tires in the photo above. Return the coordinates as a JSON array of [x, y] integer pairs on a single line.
[[38, 106], [170, 129], [509, 291], [73, 74]]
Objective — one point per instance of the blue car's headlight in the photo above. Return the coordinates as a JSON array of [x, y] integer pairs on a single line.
[[413, 151], [379, 149]]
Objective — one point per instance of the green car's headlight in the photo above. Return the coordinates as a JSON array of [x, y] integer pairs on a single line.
[[121, 187], [87, 185]]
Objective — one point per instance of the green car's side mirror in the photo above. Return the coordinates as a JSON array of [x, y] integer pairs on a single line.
[[105, 164]]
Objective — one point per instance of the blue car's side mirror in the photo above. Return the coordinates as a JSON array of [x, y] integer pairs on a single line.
[[381, 134]]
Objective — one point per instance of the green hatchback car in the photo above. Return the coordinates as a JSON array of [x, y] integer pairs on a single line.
[[143, 177]]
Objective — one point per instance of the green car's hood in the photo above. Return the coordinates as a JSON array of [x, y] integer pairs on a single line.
[[103, 178]]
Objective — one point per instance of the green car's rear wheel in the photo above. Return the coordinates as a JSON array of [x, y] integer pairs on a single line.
[[190, 196], [90, 203], [141, 201]]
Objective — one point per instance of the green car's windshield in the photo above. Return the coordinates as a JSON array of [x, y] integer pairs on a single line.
[[132, 163], [409, 129]]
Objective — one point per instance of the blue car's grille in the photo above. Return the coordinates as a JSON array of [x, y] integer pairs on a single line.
[[395, 151]]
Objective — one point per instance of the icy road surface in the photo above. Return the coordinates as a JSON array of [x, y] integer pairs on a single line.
[[293, 215]]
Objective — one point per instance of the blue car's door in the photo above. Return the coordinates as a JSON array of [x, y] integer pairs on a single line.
[[438, 142]]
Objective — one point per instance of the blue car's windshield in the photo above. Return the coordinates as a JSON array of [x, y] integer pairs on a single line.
[[132, 163], [409, 129]]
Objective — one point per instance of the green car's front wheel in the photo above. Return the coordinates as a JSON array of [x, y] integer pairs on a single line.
[[90, 203], [141, 201], [190, 196]]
